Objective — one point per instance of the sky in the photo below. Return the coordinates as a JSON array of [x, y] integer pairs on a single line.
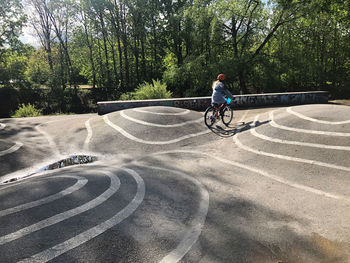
[[28, 35]]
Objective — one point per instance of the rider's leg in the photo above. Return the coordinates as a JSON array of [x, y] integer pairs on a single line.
[[216, 106], [222, 107]]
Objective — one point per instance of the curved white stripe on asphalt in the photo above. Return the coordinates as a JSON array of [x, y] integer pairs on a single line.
[[2, 126], [274, 124], [79, 184], [12, 149], [289, 158], [316, 145], [196, 225], [113, 188], [133, 138], [83, 237], [290, 110], [52, 143], [89, 135], [122, 113], [160, 113], [265, 174], [63, 119], [243, 117]]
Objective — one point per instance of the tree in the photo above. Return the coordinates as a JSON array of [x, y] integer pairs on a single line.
[[40, 21], [275, 45], [250, 26], [12, 19], [60, 13]]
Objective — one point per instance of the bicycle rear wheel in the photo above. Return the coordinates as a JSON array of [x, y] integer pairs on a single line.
[[209, 116], [227, 115]]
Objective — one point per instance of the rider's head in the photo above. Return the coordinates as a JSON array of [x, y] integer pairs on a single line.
[[221, 77]]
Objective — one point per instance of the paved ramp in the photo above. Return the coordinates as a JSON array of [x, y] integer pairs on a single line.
[[272, 187]]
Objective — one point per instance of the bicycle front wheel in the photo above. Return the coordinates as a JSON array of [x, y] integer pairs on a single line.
[[227, 115], [209, 116]]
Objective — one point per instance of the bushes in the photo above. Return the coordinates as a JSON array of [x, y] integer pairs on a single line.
[[154, 90], [27, 111], [9, 99]]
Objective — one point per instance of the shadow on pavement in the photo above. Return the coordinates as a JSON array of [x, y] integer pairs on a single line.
[[231, 130], [238, 229]]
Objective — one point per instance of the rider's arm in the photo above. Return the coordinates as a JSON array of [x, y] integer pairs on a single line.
[[228, 94]]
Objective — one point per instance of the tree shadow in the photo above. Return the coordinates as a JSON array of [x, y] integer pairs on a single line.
[[237, 228], [240, 229], [14, 128]]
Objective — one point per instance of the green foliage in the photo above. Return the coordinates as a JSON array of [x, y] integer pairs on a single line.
[[12, 19], [154, 90], [27, 111], [14, 64], [38, 70], [9, 99], [192, 74], [262, 46]]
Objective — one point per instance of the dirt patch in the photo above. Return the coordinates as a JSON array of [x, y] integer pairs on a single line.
[[313, 249], [332, 251], [340, 102]]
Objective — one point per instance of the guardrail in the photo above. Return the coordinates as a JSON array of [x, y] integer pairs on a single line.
[[239, 101]]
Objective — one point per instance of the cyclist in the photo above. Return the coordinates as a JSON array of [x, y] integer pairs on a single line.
[[220, 92]]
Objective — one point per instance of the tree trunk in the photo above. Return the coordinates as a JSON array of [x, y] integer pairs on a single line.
[[116, 80], [90, 55], [63, 45], [242, 83], [178, 45], [136, 54], [154, 47], [49, 54], [102, 72], [116, 24], [125, 45], [104, 36], [143, 62]]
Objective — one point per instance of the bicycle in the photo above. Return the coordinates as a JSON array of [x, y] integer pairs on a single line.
[[213, 114]]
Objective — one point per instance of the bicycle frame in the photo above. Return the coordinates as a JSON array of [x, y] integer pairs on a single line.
[[218, 110]]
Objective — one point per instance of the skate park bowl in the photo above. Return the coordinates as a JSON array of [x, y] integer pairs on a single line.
[[271, 187]]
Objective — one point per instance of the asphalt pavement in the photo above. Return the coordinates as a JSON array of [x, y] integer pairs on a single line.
[[271, 187]]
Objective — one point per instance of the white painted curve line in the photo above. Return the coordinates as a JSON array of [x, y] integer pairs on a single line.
[[289, 158], [78, 185], [51, 142], [161, 113], [89, 135], [113, 188], [133, 138], [122, 113], [274, 124], [12, 149], [194, 230], [290, 110], [84, 237], [316, 145], [243, 117], [63, 119], [2, 126], [267, 175]]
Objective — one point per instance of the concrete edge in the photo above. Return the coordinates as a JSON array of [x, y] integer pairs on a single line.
[[239, 101]]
